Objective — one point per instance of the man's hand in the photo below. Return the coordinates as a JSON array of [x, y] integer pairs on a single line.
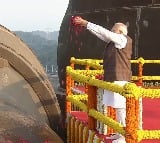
[[80, 21]]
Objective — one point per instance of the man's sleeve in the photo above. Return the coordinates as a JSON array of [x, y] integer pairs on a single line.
[[97, 31], [107, 36]]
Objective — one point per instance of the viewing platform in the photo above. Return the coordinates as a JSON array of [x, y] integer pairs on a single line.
[[89, 121]]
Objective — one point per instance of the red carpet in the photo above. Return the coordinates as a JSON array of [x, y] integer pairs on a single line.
[[151, 117]]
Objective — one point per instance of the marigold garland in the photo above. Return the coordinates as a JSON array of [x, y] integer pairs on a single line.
[[98, 63], [131, 90], [89, 62], [130, 87], [151, 77], [131, 120], [79, 104], [111, 112], [148, 134], [80, 97], [107, 120], [95, 82], [90, 72]]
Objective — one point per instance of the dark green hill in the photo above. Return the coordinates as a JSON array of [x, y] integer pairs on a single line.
[[44, 45]]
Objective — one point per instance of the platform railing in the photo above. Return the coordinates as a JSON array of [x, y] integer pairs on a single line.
[[133, 94]]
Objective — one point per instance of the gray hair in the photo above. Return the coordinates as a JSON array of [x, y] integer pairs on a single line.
[[122, 27]]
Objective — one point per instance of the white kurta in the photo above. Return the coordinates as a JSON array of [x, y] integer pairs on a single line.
[[113, 99]]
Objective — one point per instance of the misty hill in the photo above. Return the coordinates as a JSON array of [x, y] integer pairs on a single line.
[[43, 44], [47, 35]]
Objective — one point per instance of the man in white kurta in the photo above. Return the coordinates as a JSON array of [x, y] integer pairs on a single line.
[[118, 37]]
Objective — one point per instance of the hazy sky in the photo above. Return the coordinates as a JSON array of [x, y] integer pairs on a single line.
[[30, 15]]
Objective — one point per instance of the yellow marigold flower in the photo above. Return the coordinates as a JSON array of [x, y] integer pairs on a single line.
[[131, 90], [141, 60]]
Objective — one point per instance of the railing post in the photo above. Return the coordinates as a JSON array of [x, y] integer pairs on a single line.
[[111, 112], [72, 81], [132, 119], [69, 85], [68, 92], [92, 104], [140, 84], [86, 85], [140, 74]]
